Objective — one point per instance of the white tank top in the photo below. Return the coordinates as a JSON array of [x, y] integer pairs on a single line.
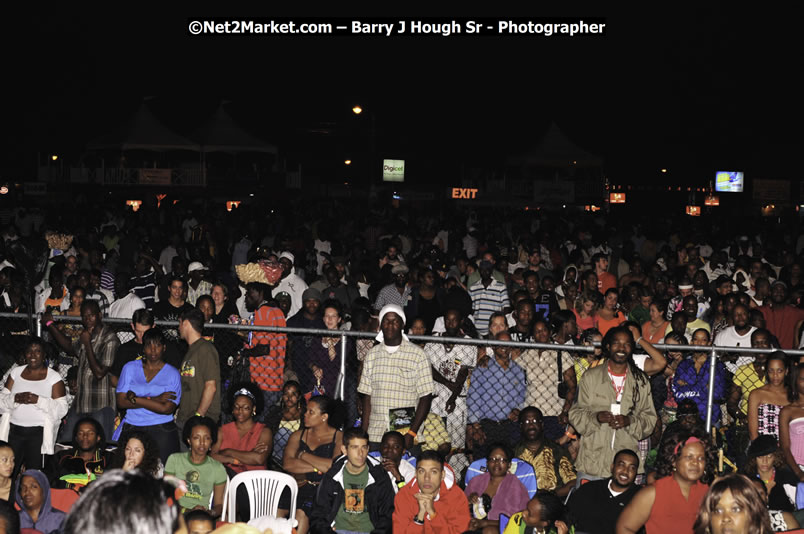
[[29, 414]]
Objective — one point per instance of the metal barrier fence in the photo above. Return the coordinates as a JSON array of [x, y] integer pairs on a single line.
[[229, 340]]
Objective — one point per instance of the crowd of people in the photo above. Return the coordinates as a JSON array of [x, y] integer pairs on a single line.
[[584, 425]]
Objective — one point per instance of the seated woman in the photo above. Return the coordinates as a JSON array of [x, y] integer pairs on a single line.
[[34, 399], [243, 444], [6, 472], [33, 498], [733, 505], [138, 450], [150, 390], [285, 418], [766, 463], [684, 466], [310, 452], [495, 492], [205, 477]]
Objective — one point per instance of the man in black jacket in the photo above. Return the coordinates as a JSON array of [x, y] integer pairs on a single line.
[[356, 494], [596, 505]]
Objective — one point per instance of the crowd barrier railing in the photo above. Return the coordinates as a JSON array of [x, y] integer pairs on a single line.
[[124, 330]]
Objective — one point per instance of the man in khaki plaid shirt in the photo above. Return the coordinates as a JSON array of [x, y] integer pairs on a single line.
[[396, 375]]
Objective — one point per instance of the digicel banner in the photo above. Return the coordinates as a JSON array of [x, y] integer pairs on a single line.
[[393, 170]]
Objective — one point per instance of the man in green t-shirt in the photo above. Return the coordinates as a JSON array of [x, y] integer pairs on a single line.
[[356, 494], [200, 372]]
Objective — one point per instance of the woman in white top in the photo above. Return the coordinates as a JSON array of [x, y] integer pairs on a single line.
[[32, 403]]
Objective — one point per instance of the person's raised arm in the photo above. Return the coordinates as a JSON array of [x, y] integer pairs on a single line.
[[61, 340], [657, 361]]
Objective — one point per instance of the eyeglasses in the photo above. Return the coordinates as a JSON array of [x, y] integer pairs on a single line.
[[499, 460]]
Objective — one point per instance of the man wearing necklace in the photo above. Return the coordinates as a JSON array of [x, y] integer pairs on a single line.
[[614, 409], [596, 506]]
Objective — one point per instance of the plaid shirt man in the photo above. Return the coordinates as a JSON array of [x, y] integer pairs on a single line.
[[94, 394], [394, 380]]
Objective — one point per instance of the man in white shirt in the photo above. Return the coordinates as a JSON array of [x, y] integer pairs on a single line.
[[290, 283], [738, 335], [127, 301]]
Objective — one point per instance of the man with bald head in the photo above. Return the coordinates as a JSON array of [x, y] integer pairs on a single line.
[[397, 380]]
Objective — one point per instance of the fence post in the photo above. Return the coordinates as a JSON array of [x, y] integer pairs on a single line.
[[339, 388], [710, 396]]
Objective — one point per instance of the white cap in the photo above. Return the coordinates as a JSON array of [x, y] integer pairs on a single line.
[[196, 266], [397, 310]]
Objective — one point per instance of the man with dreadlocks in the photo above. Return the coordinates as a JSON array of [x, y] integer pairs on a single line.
[[614, 408]]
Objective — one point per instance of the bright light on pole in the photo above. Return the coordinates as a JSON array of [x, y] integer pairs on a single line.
[[357, 110]]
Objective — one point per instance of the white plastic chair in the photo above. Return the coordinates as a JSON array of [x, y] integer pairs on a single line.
[[264, 490]]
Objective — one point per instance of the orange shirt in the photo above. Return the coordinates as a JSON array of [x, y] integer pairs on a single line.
[[268, 370], [604, 325], [605, 281], [657, 336]]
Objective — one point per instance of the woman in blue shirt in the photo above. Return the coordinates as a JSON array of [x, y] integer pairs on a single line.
[[691, 380], [149, 390]]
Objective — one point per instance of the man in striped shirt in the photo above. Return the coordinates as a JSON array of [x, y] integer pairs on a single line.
[[143, 283], [488, 296]]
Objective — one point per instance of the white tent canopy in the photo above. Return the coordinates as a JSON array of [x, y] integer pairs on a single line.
[[143, 131]]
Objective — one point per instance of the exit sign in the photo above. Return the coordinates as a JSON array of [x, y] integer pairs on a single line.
[[464, 192]]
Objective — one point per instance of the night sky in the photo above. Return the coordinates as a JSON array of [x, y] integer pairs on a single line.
[[690, 91]]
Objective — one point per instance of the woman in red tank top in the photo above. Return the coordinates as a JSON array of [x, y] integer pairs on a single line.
[[670, 505], [243, 444]]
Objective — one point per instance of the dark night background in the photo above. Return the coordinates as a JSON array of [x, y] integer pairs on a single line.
[[691, 90]]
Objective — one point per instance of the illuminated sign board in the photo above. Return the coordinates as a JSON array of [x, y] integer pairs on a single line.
[[712, 200], [393, 170], [729, 182], [464, 192], [694, 211], [617, 198]]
